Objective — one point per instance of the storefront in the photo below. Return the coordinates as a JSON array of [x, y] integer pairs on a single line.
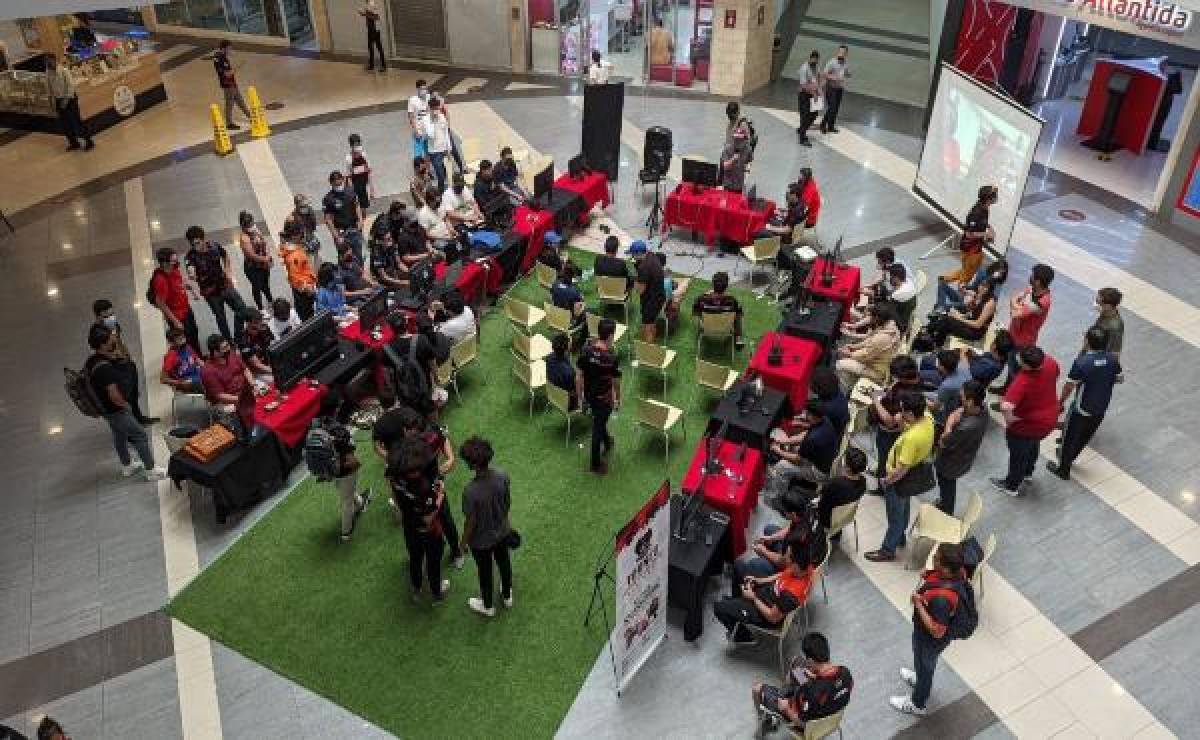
[[1101, 73], [116, 74], [282, 22]]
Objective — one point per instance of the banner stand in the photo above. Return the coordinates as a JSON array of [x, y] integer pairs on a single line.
[[598, 579]]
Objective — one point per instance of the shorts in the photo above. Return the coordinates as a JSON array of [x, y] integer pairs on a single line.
[[651, 309], [420, 146]]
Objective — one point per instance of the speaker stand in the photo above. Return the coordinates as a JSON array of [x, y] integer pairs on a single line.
[[654, 220]]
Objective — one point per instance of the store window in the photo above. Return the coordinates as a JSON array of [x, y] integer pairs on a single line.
[[558, 32], [288, 19]]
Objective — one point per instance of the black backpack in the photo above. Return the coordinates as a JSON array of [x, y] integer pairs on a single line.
[[964, 617], [151, 299], [320, 453], [821, 696], [411, 380], [79, 389]]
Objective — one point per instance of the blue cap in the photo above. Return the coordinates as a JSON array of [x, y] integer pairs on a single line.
[[638, 247], [552, 237]]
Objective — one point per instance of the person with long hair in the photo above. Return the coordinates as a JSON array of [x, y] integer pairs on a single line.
[[972, 322], [256, 259]]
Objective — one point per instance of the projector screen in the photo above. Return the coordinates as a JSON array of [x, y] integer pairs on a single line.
[[976, 137]]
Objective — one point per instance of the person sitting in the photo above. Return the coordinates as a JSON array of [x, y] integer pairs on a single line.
[[945, 397], [766, 602], [718, 300], [954, 295], [566, 295], [815, 688], [800, 526], [412, 246], [438, 233], [423, 180], [559, 372], [181, 365], [885, 257], [898, 291], [330, 295], [810, 458], [459, 207], [834, 403], [552, 251], [485, 188], [869, 356], [610, 265], [283, 317], [971, 323], [455, 320], [356, 283], [782, 224], [253, 344], [987, 366], [845, 488], [224, 375], [508, 177]]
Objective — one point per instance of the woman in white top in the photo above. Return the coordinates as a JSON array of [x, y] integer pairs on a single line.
[[437, 138]]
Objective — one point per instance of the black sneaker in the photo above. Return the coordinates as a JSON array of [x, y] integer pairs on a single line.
[[73, 146], [1055, 468], [1002, 487], [832, 130], [805, 142], [89, 146]]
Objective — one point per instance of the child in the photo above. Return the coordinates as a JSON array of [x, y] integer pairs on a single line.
[[359, 172], [329, 452]]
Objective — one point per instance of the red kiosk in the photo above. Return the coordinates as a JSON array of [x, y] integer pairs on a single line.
[[1128, 91]]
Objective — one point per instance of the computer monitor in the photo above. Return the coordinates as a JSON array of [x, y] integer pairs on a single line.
[[305, 350], [543, 184], [372, 314], [699, 172]]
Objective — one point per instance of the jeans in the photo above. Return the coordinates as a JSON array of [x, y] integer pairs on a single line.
[[424, 558], [233, 96], [948, 296], [925, 658], [804, 105], [260, 285], [71, 121], [352, 240], [1076, 435], [438, 160], [733, 613], [375, 41], [348, 498], [303, 302], [601, 440], [898, 509], [218, 302], [449, 529], [127, 431], [1022, 458], [833, 102], [758, 567], [483, 565], [947, 492]]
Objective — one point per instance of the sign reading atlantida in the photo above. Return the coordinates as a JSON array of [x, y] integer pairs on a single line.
[[1162, 15]]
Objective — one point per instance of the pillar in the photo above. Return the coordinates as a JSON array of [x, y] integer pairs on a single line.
[[743, 33]]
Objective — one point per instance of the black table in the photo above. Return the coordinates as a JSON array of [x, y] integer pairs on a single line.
[[820, 321], [691, 563], [568, 206], [750, 422], [241, 476], [350, 361]]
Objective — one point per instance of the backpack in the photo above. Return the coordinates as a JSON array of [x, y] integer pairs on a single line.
[[964, 617], [79, 389], [751, 136], [320, 453], [151, 298], [820, 696], [412, 382]]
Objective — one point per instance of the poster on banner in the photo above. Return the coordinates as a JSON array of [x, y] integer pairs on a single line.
[[641, 585]]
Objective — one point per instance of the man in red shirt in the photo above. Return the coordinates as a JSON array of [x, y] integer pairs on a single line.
[[224, 375], [1030, 409], [170, 291], [1028, 311], [810, 196]]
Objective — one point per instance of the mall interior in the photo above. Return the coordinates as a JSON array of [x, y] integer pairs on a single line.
[[236, 591]]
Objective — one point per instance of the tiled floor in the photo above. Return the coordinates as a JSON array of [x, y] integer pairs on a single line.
[[83, 552]]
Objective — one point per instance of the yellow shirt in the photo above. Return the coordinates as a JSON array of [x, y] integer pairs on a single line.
[[662, 46], [913, 446]]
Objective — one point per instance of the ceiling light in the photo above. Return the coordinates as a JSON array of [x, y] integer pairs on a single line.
[[52, 291], [56, 429], [67, 246], [155, 223]]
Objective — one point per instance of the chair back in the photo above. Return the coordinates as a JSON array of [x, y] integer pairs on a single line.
[[971, 515], [766, 248], [650, 355], [465, 351], [712, 375], [558, 398], [717, 324], [522, 345], [653, 413], [559, 319], [545, 275], [517, 311], [989, 548], [612, 288], [523, 371], [815, 729], [841, 516]]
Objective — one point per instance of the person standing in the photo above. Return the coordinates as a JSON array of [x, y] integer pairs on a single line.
[[208, 266], [66, 103], [1109, 320], [734, 158], [912, 447], [359, 172], [598, 384], [652, 292], [343, 216], [418, 497], [809, 91], [102, 309], [977, 232], [960, 442], [418, 112], [345, 462], [936, 602], [229, 86], [662, 45], [256, 259], [370, 13], [111, 388], [300, 273], [437, 141], [1030, 409], [305, 219], [170, 290], [1090, 381], [835, 74], [487, 500], [1028, 311]]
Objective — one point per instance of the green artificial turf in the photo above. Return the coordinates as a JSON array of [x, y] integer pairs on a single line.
[[337, 618]]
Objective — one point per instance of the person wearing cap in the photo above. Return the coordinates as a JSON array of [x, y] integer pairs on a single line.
[[650, 287], [551, 254], [734, 158]]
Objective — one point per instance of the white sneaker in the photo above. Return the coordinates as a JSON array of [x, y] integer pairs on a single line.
[[131, 468], [508, 602], [904, 704], [155, 474], [476, 605], [445, 590], [909, 676], [460, 562]]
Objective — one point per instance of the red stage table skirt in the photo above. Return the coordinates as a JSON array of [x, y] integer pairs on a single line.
[[800, 356], [533, 225], [715, 212], [291, 419], [354, 332], [478, 280], [592, 187], [845, 288], [721, 492]]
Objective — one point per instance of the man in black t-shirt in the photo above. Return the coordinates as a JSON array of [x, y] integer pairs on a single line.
[[650, 287], [106, 382], [718, 300], [846, 488], [610, 265], [343, 216], [816, 687], [598, 384], [208, 266], [414, 387], [419, 498]]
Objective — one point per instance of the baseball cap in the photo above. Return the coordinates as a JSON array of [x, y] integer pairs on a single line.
[[638, 247], [552, 237]]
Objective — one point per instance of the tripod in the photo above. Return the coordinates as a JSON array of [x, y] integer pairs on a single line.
[[654, 220], [599, 578]]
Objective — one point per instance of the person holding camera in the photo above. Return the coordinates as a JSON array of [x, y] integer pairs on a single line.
[[486, 503], [418, 497]]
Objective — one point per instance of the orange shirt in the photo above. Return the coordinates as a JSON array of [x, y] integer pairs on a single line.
[[299, 269]]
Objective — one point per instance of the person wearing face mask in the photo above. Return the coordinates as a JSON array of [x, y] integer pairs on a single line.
[[208, 266], [102, 309], [299, 271], [256, 259], [418, 111], [437, 141], [343, 216], [355, 281], [1028, 311], [305, 218], [486, 188], [386, 266], [359, 172], [808, 95], [459, 208], [169, 290], [370, 13], [110, 385], [508, 177], [423, 180], [229, 86], [181, 364], [224, 374], [835, 74]]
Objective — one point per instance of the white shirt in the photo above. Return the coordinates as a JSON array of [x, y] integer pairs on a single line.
[[598, 73], [836, 72], [456, 328], [463, 205], [906, 292], [418, 109], [433, 224], [279, 328], [806, 77], [437, 130], [350, 163]]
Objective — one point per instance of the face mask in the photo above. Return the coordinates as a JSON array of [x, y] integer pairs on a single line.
[[841, 60], [423, 94], [338, 188], [111, 321]]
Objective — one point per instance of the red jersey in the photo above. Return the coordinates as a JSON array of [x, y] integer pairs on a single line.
[[811, 198], [1034, 396], [1025, 326], [167, 288]]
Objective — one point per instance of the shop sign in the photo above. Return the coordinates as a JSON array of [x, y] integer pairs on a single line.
[[1155, 14]]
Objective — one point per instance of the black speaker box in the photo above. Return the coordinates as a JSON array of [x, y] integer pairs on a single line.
[[656, 154], [603, 108]]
